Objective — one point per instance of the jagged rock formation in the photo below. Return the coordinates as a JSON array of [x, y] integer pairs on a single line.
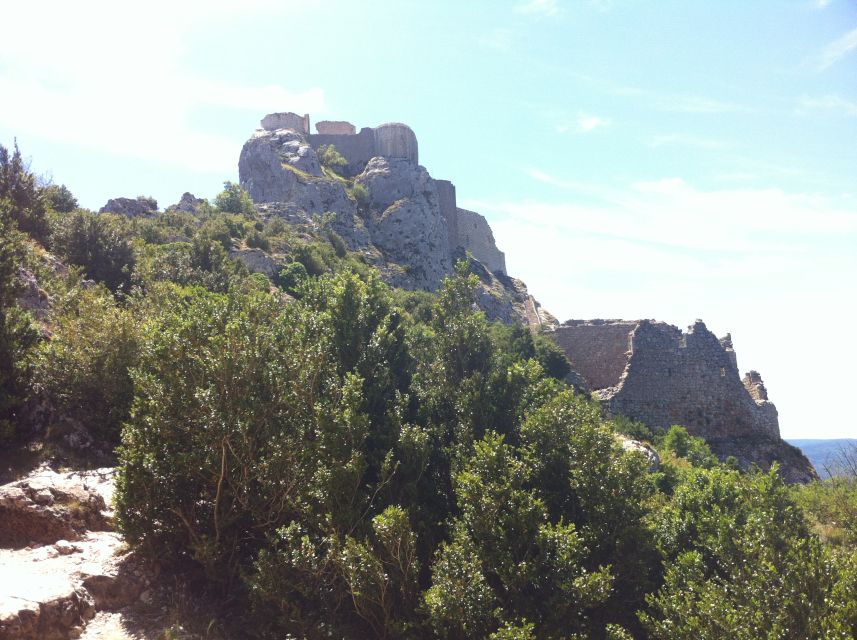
[[140, 206], [652, 372], [188, 203], [409, 226]]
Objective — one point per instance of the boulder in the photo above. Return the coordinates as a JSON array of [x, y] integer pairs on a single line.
[[131, 207], [257, 261]]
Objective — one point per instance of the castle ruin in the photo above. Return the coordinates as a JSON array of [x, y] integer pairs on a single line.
[[656, 374], [395, 141]]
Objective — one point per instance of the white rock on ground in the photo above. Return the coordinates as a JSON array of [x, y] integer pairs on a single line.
[[59, 563]]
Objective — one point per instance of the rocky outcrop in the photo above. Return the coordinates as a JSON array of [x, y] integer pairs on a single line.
[[59, 564], [257, 261], [652, 372], [635, 446], [408, 227], [131, 207], [188, 203]]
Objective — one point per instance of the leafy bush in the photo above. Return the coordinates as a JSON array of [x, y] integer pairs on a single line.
[[18, 337], [329, 157], [360, 193], [234, 199], [99, 243], [739, 563], [24, 199], [59, 198], [85, 366], [292, 277]]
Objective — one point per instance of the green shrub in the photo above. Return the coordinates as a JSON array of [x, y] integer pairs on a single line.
[[329, 157], [99, 243], [24, 199], [18, 336], [360, 193], [59, 198], [739, 563], [292, 277], [234, 199], [258, 240], [85, 366]]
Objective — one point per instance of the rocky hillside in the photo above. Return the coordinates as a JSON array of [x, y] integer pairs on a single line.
[[370, 189], [405, 223]]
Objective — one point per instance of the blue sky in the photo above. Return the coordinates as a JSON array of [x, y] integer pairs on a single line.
[[669, 160]]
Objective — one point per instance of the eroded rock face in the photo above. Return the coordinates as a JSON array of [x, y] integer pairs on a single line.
[[257, 261], [263, 167], [411, 230], [131, 207], [188, 203], [46, 506], [408, 228]]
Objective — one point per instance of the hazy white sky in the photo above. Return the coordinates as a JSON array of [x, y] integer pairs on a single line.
[[670, 160]]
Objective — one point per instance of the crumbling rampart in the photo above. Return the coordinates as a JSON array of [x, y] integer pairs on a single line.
[[654, 373], [475, 235]]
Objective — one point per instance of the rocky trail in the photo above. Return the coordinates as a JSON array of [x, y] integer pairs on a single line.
[[64, 571]]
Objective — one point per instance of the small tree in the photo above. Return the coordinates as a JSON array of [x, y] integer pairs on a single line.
[[234, 199], [331, 158]]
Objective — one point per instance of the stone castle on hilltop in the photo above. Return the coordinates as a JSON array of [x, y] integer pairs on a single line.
[[411, 229]]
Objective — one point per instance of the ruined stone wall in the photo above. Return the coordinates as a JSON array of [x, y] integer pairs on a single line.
[[691, 380], [336, 127], [396, 140], [597, 349], [358, 148], [475, 235], [286, 120], [446, 199]]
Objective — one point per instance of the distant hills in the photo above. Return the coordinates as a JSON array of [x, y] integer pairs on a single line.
[[822, 452]]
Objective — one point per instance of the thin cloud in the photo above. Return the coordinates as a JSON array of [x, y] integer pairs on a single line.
[[584, 123], [696, 142], [837, 50], [548, 8], [587, 123], [696, 104], [829, 102]]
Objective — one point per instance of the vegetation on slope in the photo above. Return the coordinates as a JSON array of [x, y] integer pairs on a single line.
[[339, 459]]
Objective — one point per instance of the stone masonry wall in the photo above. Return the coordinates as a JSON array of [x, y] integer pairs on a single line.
[[597, 349], [475, 235], [336, 127], [446, 199], [396, 140], [688, 379], [287, 120], [358, 148]]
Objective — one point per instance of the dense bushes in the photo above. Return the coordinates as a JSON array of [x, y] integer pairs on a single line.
[[99, 243], [85, 367], [351, 461], [17, 335]]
